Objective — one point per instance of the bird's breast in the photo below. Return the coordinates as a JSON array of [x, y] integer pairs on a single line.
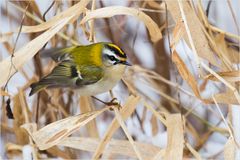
[[110, 78]]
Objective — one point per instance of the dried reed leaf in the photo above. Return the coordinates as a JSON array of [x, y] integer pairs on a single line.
[[106, 12], [87, 106], [193, 151], [194, 25], [125, 112], [226, 98], [229, 85], [217, 42], [231, 76], [175, 142], [36, 19], [178, 32], [118, 147], [53, 133], [227, 34], [234, 55], [185, 73], [229, 149], [54, 151], [223, 54], [75, 10], [28, 51]]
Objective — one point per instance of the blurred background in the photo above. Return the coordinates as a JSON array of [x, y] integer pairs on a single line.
[[156, 76]]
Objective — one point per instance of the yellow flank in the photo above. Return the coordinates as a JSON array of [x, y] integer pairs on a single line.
[[120, 51]]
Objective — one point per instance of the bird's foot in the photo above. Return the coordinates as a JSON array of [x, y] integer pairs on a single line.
[[114, 103]]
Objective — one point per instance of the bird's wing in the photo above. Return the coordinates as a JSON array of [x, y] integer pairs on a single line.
[[89, 74], [67, 74]]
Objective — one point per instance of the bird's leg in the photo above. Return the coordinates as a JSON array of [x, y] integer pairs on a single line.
[[114, 99], [110, 103]]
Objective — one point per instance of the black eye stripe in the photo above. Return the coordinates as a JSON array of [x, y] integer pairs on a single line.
[[112, 58]]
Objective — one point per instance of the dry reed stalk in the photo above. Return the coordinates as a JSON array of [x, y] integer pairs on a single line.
[[121, 122], [175, 144], [152, 27]]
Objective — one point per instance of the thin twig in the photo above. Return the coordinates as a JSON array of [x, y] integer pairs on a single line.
[[14, 47], [48, 9]]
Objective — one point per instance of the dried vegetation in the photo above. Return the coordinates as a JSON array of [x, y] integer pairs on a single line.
[[45, 127]]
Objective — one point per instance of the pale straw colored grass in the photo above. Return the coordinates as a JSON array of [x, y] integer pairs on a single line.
[[58, 126]]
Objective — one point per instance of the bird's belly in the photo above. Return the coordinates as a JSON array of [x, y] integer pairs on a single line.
[[110, 79]]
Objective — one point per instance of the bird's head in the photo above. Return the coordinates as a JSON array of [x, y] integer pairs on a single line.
[[112, 55]]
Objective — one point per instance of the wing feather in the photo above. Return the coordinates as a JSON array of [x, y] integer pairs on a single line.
[[67, 74]]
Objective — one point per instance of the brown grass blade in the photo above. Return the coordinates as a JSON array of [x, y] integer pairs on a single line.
[[106, 12], [178, 32], [229, 85], [38, 20], [198, 37], [185, 73], [231, 76], [226, 98], [53, 133]]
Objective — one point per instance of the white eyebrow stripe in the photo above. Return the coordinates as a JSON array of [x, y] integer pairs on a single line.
[[110, 53]]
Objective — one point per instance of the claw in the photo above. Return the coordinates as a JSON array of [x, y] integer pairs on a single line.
[[113, 102]]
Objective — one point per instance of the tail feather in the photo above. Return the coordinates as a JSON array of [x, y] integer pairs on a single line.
[[36, 87]]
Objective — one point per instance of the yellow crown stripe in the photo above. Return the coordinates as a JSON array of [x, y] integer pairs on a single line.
[[119, 50], [122, 59]]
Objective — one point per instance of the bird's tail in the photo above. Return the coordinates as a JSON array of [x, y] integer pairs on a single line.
[[36, 87]]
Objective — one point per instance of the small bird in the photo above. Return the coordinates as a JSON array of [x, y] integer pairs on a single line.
[[92, 69]]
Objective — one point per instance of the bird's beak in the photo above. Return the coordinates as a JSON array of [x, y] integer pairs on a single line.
[[125, 63]]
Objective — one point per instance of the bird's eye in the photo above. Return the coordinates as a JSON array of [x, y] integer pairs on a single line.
[[112, 58]]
